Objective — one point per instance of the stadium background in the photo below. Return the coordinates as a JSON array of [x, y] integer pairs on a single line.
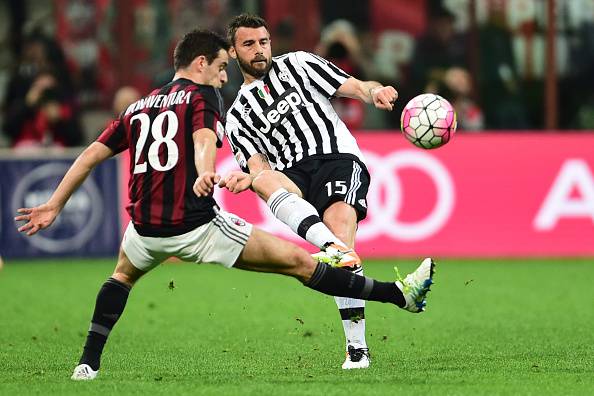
[[516, 181]]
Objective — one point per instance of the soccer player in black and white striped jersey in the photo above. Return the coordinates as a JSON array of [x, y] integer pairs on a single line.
[[297, 154]]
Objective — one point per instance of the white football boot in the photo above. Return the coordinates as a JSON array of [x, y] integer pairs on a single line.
[[84, 372], [356, 358], [416, 285], [338, 256]]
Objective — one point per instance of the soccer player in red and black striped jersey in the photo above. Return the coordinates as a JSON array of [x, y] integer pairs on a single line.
[[162, 172], [172, 135]]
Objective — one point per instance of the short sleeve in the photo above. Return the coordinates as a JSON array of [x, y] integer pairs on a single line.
[[206, 112], [114, 136], [323, 75]]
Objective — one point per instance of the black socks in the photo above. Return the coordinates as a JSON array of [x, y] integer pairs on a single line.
[[342, 283], [109, 306]]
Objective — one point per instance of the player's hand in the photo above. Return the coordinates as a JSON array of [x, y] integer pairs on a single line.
[[384, 97], [205, 183], [36, 218], [236, 182]]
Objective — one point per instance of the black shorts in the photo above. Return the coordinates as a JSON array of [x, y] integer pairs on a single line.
[[324, 181]]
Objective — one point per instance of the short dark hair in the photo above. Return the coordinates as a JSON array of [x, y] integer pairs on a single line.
[[195, 43], [244, 20]]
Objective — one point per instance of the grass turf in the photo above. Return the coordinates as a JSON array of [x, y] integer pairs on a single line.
[[492, 327]]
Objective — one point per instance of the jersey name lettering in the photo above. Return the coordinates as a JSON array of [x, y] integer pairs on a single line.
[[158, 101]]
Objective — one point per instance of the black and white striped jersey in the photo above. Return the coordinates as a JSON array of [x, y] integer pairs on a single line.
[[287, 114]]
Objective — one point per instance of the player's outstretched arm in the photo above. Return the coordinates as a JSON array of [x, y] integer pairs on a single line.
[[205, 151], [369, 92], [265, 184], [43, 216], [262, 179]]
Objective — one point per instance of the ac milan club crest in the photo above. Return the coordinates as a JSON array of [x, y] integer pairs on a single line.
[[237, 222]]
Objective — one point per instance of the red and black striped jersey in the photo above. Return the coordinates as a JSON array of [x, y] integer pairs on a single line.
[[157, 129]]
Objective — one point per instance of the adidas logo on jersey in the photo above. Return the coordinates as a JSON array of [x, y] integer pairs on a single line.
[[274, 114], [245, 113]]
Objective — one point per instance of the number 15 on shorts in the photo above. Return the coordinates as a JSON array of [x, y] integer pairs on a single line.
[[336, 187]]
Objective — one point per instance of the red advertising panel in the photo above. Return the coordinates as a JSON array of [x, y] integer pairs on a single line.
[[492, 195]]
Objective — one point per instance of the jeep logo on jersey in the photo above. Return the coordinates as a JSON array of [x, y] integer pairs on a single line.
[[274, 114]]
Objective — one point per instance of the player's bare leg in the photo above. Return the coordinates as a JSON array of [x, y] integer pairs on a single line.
[[109, 306], [125, 271], [341, 219], [264, 252], [286, 202], [269, 181]]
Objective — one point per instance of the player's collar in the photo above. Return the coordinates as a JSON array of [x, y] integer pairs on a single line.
[[253, 83]]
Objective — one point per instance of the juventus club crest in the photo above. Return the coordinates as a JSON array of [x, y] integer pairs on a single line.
[[283, 76]]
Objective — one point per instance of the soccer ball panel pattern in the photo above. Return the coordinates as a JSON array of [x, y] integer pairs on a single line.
[[428, 121]]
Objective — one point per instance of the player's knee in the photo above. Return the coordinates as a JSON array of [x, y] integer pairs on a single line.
[[303, 264], [125, 278], [265, 183]]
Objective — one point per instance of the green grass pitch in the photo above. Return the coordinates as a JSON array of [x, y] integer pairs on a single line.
[[492, 327]]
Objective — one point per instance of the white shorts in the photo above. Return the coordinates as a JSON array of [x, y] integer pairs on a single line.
[[219, 241]]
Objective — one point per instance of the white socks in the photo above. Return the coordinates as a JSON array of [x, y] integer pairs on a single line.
[[352, 312], [301, 217]]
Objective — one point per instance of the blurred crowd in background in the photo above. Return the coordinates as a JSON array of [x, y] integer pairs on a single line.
[[67, 66]]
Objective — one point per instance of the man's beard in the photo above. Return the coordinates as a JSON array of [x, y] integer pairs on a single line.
[[251, 70]]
